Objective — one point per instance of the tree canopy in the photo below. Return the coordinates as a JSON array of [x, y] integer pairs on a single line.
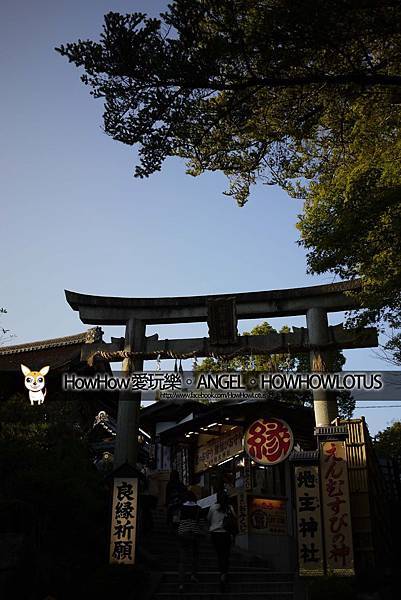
[[303, 94], [274, 363], [388, 441], [46, 465], [5, 334]]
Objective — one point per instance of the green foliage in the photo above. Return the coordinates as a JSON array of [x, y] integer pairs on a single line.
[[274, 363], [5, 335], [331, 587], [352, 218], [305, 95], [393, 346], [252, 89], [388, 442], [45, 463], [131, 582]]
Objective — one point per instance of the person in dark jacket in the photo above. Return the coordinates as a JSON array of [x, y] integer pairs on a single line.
[[189, 533], [175, 494]]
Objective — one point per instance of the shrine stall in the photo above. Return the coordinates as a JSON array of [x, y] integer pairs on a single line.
[[244, 446]]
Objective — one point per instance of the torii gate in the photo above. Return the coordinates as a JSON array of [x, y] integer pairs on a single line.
[[221, 312]]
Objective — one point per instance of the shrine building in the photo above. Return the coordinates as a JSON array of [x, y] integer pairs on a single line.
[[206, 445]]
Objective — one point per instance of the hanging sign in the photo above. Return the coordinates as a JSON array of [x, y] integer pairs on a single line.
[[242, 513], [247, 473], [336, 508], [268, 441], [123, 520], [219, 449], [309, 525], [268, 516]]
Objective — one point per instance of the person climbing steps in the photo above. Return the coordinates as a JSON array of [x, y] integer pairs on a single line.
[[189, 533], [222, 528]]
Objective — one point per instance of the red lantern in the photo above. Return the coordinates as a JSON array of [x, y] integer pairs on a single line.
[[268, 441]]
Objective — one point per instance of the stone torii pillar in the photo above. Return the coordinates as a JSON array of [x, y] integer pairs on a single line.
[[314, 302], [135, 313], [324, 402], [129, 403]]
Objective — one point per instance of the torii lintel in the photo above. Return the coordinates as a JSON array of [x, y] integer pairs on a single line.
[[109, 310]]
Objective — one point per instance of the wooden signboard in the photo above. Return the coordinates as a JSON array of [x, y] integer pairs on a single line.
[[247, 473], [242, 513], [123, 520], [219, 449], [336, 508], [309, 522], [268, 515]]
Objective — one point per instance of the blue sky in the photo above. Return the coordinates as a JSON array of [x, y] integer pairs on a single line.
[[74, 217]]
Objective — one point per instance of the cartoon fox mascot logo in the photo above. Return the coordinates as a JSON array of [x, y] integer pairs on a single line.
[[35, 383]]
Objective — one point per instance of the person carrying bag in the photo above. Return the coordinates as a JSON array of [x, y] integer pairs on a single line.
[[175, 495], [189, 533], [230, 522], [223, 528]]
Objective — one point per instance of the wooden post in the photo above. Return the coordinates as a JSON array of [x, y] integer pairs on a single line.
[[324, 402], [129, 404]]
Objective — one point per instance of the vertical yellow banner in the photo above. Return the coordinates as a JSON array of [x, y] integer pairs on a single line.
[[336, 508], [309, 522], [123, 521]]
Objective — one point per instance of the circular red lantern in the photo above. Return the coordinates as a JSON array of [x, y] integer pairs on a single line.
[[268, 441]]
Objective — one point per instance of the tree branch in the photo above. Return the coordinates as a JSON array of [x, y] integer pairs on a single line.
[[362, 79]]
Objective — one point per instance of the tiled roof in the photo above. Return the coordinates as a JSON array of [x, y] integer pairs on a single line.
[[304, 456], [92, 335]]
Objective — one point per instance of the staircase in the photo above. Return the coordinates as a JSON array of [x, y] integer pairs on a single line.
[[249, 577]]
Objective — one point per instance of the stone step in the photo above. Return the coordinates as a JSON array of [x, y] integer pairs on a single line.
[[168, 535], [249, 577], [236, 587], [167, 549], [205, 544], [173, 553], [238, 575], [207, 562], [228, 594], [171, 563], [206, 552]]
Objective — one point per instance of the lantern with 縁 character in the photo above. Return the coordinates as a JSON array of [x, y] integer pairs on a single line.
[[268, 441]]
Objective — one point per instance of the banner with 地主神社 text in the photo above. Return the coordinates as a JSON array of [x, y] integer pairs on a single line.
[[309, 522]]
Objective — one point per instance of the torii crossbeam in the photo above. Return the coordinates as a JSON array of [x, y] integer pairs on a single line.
[[221, 312]]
